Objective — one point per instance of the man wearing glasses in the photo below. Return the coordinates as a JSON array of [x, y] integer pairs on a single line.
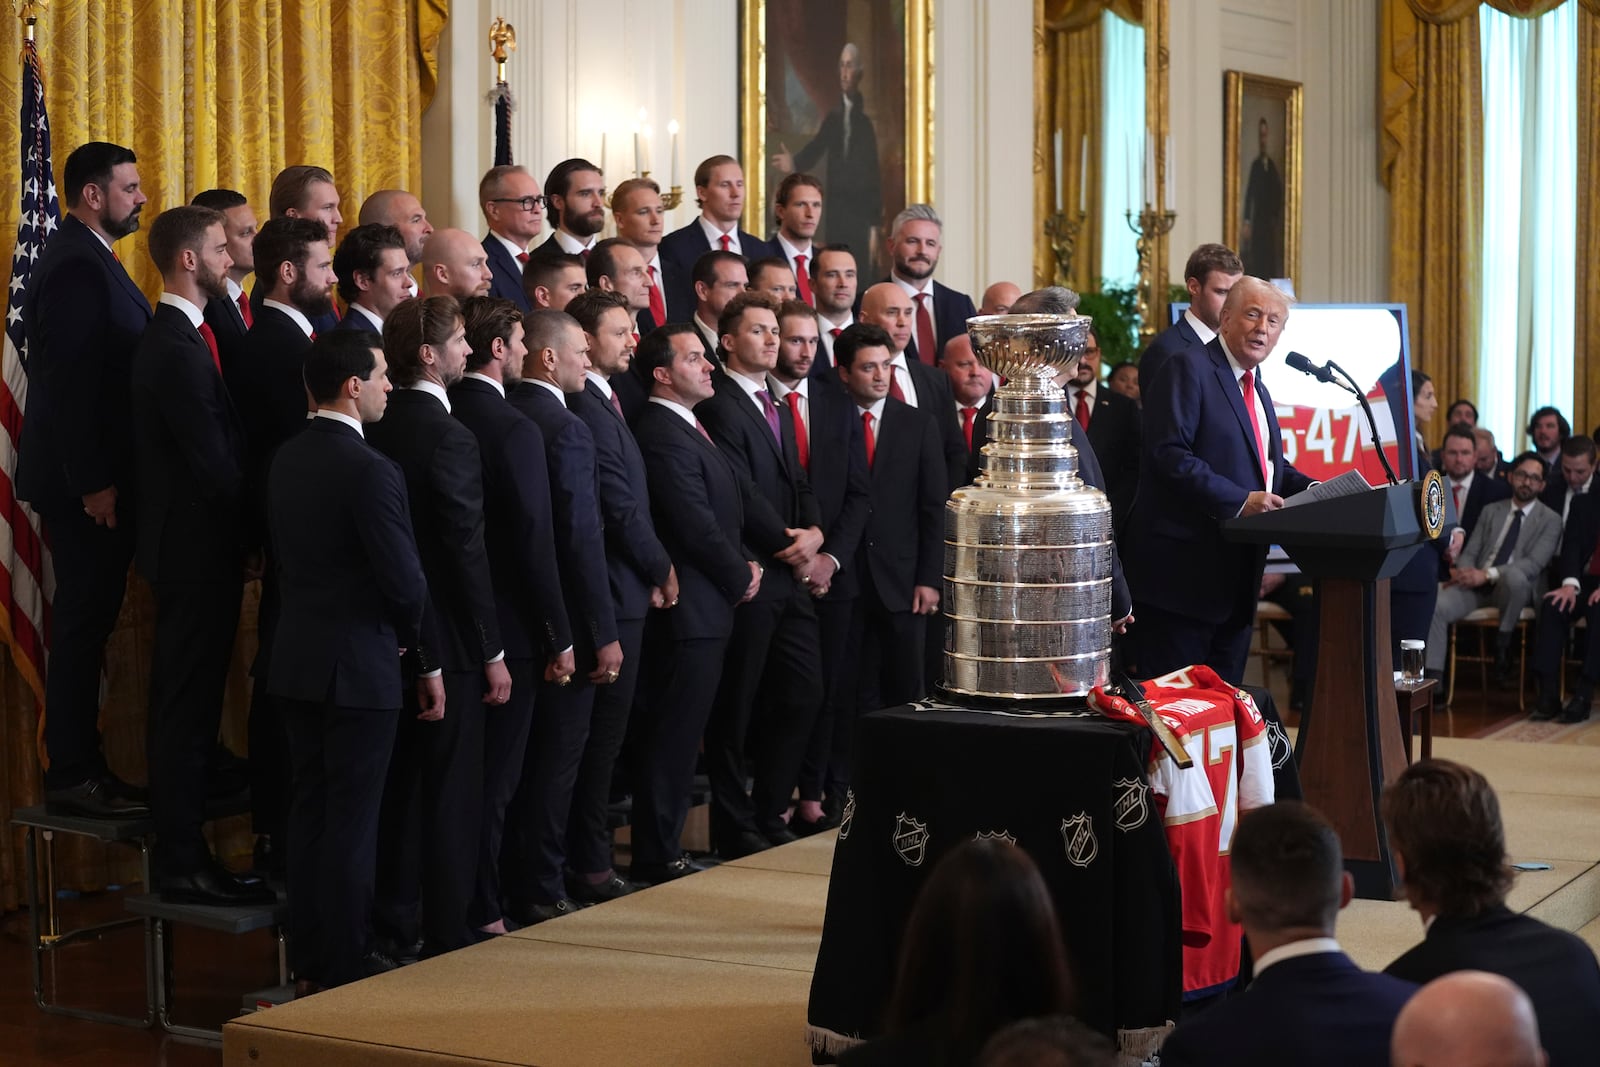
[[513, 206], [1507, 553]]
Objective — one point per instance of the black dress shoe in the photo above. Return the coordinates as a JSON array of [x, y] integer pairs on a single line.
[[376, 961], [95, 798], [524, 913], [781, 836], [401, 953], [745, 843], [648, 874], [1548, 708], [1577, 709], [591, 893], [213, 885]]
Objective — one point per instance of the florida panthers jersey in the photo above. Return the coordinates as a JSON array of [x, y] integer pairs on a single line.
[[1224, 734]]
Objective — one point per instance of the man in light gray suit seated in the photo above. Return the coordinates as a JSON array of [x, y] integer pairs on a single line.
[[1509, 550]]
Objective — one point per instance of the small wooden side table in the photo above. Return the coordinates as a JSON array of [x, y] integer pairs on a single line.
[[1415, 701]]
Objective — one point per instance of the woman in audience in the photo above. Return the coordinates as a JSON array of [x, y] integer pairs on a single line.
[[982, 948]]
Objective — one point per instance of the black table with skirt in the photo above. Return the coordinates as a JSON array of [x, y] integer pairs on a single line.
[[1072, 790]]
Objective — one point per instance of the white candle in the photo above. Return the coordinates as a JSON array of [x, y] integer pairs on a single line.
[[1056, 140], [1171, 197], [638, 167], [1149, 169], [672, 129], [1083, 176], [647, 133], [602, 150]]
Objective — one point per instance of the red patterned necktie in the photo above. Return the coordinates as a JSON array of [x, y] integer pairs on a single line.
[[1248, 384], [658, 306], [522, 257], [967, 415], [866, 430], [927, 347], [618, 405], [836, 331], [1455, 494], [894, 384], [698, 425], [211, 342], [802, 439], [1082, 412], [727, 242], [803, 279], [245, 312]]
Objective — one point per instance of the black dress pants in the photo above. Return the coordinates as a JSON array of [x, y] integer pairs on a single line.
[[534, 855], [588, 838], [505, 745]]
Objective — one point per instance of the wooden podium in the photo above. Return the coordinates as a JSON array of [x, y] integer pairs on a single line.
[[1350, 746]]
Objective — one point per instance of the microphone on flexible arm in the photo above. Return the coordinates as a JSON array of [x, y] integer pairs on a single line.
[[1325, 373]]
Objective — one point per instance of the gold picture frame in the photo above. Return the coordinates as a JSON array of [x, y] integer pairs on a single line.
[[893, 38], [1266, 234]]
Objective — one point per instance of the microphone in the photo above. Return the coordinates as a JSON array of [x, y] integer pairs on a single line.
[[1303, 364]]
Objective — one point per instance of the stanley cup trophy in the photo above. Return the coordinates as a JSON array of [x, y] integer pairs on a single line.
[[1028, 546]]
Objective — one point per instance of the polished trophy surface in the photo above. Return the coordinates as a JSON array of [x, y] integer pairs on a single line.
[[1028, 546]]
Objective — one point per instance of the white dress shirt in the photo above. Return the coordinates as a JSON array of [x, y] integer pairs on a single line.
[[902, 375], [780, 396], [512, 248], [1311, 946], [677, 409], [714, 235], [339, 416], [572, 246], [433, 389], [371, 316], [499, 387], [825, 328], [551, 388], [196, 316], [1255, 405], [293, 312], [1204, 332]]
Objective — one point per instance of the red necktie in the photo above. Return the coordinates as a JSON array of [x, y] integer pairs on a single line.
[[866, 430], [967, 415], [699, 426], [1455, 494], [803, 279], [618, 405], [522, 257], [927, 348], [726, 242], [1248, 383], [211, 342], [584, 254], [1082, 412], [802, 439], [658, 306], [836, 331], [894, 385], [245, 312]]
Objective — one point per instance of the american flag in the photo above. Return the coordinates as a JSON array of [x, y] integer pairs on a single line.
[[26, 581]]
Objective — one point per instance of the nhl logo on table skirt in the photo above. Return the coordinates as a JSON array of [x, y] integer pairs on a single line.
[[1128, 805], [849, 814], [1078, 835], [995, 835], [910, 840]]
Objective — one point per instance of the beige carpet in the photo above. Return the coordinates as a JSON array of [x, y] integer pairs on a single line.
[[716, 968]]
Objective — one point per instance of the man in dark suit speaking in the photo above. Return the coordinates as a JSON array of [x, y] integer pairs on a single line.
[[1212, 451]]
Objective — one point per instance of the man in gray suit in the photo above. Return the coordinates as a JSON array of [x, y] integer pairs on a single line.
[[1510, 547]]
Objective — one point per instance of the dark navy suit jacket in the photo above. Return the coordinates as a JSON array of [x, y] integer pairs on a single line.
[[903, 545], [635, 560], [679, 250], [697, 499], [1319, 1010], [580, 540], [1554, 967], [951, 310], [351, 581], [84, 319], [517, 523], [1166, 344], [1199, 464], [839, 478], [507, 271]]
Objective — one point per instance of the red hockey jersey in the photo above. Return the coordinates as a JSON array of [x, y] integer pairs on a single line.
[[1224, 734]]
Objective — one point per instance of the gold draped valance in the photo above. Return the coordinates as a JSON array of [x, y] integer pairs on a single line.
[[207, 93]]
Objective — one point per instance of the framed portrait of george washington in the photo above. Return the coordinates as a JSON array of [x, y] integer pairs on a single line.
[[841, 90], [1261, 173]]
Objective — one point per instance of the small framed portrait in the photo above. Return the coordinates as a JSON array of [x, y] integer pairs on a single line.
[[842, 90], [1261, 173]]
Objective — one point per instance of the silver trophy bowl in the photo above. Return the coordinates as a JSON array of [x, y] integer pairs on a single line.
[[1028, 546]]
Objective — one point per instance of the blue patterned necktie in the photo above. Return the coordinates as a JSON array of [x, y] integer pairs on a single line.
[[1503, 556]]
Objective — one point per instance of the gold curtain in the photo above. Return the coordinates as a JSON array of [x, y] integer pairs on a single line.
[[1431, 160], [1070, 75], [214, 93]]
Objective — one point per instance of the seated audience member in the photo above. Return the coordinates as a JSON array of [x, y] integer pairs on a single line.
[[1576, 595], [1468, 1019], [997, 300], [1489, 460], [1500, 567], [1462, 411], [982, 948], [774, 277], [550, 280], [1309, 1004], [1547, 429], [1125, 380], [1469, 490], [1449, 845], [1575, 475], [1053, 1041]]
